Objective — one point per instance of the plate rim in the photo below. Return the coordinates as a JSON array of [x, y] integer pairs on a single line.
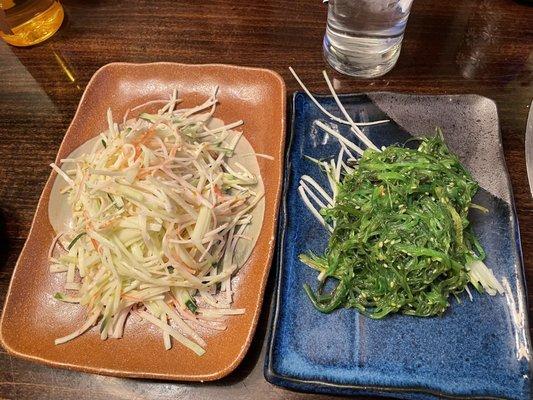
[[228, 368], [323, 386]]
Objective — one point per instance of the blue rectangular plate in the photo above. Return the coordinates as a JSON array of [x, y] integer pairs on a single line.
[[477, 349]]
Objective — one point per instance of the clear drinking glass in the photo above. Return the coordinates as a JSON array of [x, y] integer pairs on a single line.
[[363, 37]]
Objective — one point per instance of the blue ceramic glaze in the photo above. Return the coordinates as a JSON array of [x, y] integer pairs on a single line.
[[478, 349]]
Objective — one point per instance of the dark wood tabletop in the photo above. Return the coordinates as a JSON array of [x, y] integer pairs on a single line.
[[450, 46]]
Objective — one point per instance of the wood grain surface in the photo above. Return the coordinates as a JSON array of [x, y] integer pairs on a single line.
[[451, 46]]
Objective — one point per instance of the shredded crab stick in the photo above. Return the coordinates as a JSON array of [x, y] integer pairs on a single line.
[[157, 213]]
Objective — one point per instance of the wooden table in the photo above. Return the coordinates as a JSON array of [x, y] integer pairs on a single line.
[[450, 46]]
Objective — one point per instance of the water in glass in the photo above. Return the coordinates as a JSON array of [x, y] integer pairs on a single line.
[[363, 37]]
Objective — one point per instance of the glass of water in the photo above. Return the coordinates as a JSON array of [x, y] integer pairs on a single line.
[[363, 37]]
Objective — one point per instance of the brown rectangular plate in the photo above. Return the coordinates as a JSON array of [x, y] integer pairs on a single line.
[[32, 319]]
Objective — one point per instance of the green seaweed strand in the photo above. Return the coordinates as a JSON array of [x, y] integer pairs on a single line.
[[402, 238]]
